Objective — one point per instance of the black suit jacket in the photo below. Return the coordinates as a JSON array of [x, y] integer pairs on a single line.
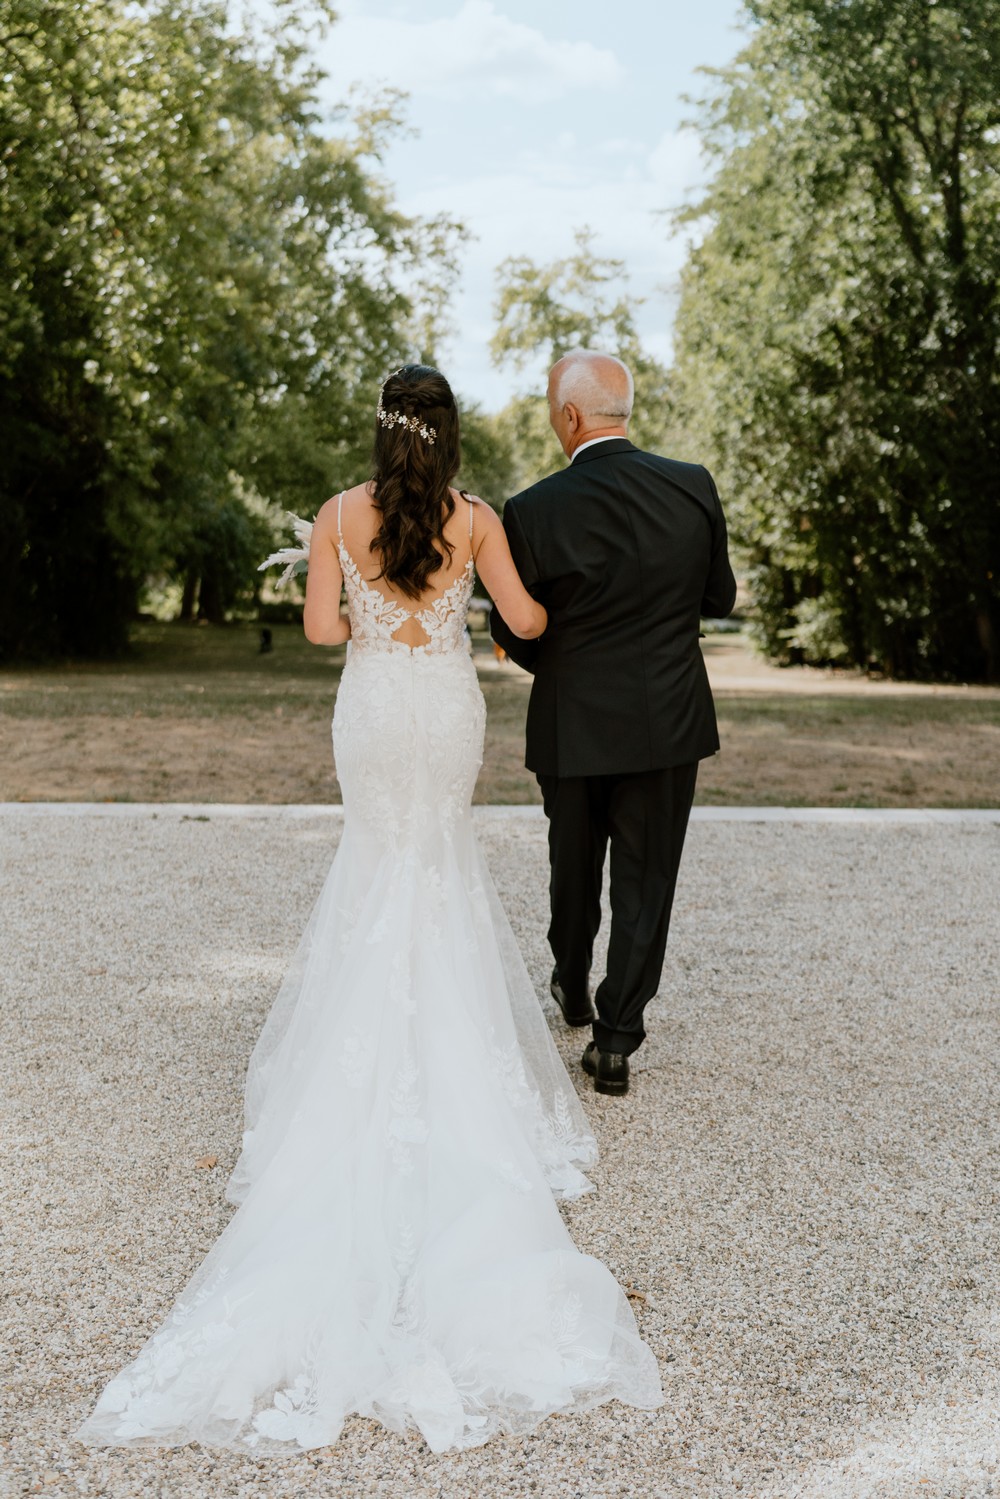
[[627, 551]]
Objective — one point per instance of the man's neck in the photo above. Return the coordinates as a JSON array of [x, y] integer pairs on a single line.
[[600, 434]]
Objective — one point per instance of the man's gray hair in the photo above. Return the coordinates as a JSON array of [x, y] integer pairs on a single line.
[[596, 384]]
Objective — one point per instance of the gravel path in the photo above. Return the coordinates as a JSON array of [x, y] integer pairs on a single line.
[[803, 1183]]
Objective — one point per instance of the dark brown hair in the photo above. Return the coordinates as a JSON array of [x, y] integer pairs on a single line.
[[411, 478]]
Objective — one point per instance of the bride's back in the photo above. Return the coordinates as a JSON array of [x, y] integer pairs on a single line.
[[361, 522]]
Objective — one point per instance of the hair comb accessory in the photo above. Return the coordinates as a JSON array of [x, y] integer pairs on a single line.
[[411, 423]]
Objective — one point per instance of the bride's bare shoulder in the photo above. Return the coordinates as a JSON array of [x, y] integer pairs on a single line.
[[485, 515], [345, 502]]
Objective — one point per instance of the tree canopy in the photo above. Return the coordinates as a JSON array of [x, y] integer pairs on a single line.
[[839, 328], [203, 279], [201, 282], [573, 302]]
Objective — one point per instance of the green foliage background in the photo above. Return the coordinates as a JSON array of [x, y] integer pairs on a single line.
[[839, 329], [200, 286], [203, 280]]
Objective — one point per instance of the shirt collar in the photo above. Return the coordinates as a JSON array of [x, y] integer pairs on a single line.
[[592, 442]]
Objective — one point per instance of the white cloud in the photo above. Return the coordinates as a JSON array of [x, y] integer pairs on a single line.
[[529, 129], [475, 53]]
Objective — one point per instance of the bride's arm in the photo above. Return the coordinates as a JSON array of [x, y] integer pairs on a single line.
[[522, 614], [322, 619]]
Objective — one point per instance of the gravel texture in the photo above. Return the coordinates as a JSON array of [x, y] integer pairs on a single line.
[[803, 1183]]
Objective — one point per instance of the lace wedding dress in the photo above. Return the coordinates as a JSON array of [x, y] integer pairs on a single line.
[[397, 1250]]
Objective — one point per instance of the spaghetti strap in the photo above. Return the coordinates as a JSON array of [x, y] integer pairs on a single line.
[[340, 504], [471, 514]]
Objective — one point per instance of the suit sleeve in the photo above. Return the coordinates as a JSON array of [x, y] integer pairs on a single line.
[[524, 652], [720, 585]]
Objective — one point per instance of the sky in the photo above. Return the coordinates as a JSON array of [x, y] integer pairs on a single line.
[[532, 120]]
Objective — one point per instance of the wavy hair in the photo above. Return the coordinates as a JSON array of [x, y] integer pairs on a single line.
[[411, 478]]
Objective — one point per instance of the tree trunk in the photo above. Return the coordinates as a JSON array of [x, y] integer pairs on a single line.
[[210, 606], [188, 597], [986, 631]]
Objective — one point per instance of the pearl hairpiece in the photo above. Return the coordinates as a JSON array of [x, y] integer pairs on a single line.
[[411, 423]]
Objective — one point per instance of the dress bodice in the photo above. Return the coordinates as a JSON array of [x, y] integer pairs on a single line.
[[376, 619]]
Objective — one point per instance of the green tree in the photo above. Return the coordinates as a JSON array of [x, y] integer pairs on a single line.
[[200, 284], [839, 328], [571, 303], [488, 457]]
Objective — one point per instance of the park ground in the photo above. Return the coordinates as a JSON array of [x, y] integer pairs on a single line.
[[799, 1192], [199, 714]]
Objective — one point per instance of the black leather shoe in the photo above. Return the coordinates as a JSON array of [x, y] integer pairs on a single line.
[[578, 1014], [609, 1069]]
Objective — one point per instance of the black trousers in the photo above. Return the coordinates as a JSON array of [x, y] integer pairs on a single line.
[[645, 818]]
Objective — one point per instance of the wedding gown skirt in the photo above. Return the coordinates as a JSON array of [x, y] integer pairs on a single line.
[[397, 1250]]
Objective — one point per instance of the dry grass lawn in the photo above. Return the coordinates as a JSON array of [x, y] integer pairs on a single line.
[[200, 715]]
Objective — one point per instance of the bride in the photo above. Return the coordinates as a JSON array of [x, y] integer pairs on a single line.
[[397, 1252]]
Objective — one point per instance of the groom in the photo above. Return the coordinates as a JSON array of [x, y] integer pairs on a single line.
[[627, 551]]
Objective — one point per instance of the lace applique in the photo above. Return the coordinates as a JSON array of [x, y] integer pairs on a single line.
[[349, 920], [511, 1175], [436, 904], [358, 1057], [404, 1253], [376, 619], [408, 733], [293, 1416], [406, 1128], [555, 1137], [439, 618], [400, 985], [133, 1395], [508, 1066], [378, 932], [567, 1316]]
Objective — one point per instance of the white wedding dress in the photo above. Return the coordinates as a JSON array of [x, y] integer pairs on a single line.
[[397, 1250]]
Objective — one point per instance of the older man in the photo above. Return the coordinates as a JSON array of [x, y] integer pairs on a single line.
[[627, 551]]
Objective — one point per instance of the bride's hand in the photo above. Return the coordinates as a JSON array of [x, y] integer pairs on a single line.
[[522, 614]]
